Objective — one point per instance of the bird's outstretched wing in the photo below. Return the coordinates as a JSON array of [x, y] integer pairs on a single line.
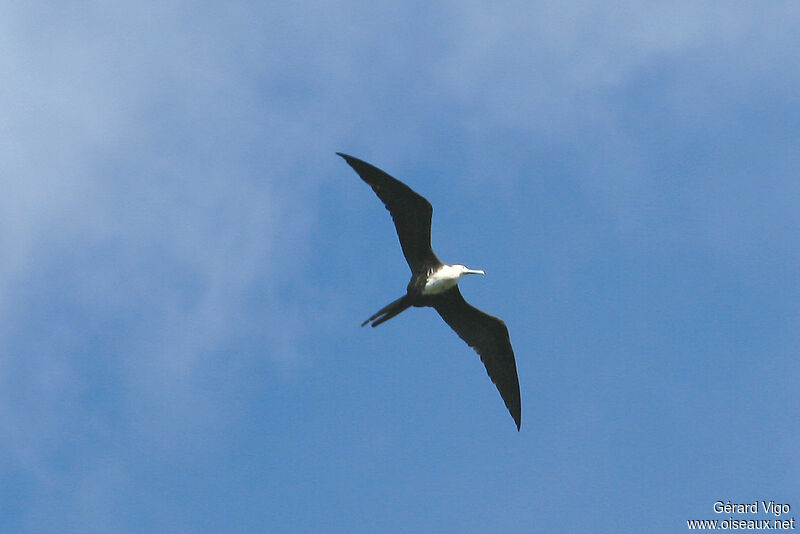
[[488, 335], [410, 212]]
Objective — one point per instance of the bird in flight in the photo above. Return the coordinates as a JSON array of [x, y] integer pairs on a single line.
[[435, 284]]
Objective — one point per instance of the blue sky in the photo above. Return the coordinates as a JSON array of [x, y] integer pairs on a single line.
[[186, 262]]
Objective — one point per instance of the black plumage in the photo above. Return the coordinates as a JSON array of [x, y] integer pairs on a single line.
[[485, 333]]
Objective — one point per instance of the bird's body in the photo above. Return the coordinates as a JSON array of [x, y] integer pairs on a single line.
[[435, 284]]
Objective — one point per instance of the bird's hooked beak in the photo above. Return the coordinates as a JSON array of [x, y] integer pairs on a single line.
[[474, 271]]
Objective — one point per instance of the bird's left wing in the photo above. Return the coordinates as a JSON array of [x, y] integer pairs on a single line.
[[410, 211], [488, 335]]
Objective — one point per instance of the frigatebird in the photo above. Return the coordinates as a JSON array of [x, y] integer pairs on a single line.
[[435, 284]]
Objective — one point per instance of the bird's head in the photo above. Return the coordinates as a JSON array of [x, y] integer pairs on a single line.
[[466, 270]]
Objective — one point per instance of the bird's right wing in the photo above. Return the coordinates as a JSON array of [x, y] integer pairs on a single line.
[[488, 335], [410, 212]]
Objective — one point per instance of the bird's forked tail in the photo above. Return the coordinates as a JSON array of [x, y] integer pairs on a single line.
[[389, 311]]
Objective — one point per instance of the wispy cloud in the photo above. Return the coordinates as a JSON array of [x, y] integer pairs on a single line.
[[147, 189]]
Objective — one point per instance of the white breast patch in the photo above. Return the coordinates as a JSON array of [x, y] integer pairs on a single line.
[[440, 281]]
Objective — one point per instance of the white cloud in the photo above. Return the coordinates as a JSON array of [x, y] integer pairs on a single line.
[[145, 184], [540, 66]]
